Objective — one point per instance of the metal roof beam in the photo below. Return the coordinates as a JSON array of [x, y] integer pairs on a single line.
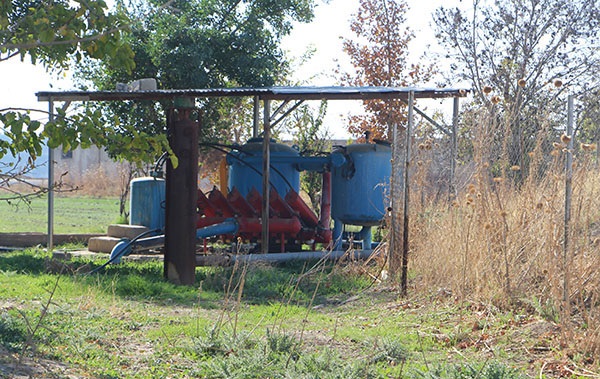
[[268, 93]]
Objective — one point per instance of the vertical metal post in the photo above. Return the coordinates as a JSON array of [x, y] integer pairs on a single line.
[[50, 242], [568, 195], [181, 195], [395, 183], [453, 151], [266, 177], [256, 119], [406, 196]]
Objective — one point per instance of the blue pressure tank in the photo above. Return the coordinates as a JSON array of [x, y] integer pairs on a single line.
[[147, 202], [360, 187], [245, 167]]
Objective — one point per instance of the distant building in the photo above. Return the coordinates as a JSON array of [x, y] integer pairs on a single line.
[[82, 162]]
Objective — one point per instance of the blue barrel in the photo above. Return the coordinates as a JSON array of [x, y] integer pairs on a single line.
[[360, 187], [245, 167], [147, 202]]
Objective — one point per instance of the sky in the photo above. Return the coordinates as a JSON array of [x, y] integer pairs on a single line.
[[19, 81]]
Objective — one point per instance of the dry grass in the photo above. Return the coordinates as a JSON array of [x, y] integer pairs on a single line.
[[503, 242], [100, 180]]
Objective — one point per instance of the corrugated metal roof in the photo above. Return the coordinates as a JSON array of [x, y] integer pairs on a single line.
[[267, 93]]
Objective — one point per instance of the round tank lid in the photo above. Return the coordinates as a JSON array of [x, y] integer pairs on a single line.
[[365, 147], [255, 145]]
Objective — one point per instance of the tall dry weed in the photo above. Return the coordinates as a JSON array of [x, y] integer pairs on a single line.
[[501, 239]]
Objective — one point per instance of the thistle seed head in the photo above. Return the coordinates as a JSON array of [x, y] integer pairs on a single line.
[[565, 138]]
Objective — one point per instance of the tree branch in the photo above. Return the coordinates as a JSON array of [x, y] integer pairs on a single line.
[[32, 45]]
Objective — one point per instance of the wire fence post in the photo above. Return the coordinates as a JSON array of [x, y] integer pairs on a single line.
[[395, 184], [453, 150], [568, 196]]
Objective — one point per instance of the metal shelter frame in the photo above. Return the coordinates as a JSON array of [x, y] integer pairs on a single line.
[[177, 262]]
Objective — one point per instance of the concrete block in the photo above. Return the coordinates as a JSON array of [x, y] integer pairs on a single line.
[[102, 244], [126, 231]]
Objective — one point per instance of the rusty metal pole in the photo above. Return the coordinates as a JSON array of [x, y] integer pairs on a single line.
[[395, 184], [453, 150], [266, 177], [181, 195], [406, 196], [50, 243]]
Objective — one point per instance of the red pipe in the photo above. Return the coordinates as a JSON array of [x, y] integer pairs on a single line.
[[306, 214], [289, 226], [325, 219], [240, 205], [205, 207], [281, 207], [255, 199], [216, 197], [324, 236]]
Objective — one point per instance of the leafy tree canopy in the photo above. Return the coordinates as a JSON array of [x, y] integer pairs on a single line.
[[202, 44], [379, 53], [54, 33]]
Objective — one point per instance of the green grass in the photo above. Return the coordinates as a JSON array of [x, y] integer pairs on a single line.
[[71, 215], [292, 321]]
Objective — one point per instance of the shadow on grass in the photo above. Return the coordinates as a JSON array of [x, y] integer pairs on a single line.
[[12, 332], [294, 282], [23, 263]]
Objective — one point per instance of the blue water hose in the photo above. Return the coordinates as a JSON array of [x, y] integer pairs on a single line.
[[125, 246]]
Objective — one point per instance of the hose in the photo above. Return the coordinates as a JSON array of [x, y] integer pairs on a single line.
[[124, 249]]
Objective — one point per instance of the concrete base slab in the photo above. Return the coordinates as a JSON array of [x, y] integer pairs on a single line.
[[102, 244], [126, 231], [33, 239]]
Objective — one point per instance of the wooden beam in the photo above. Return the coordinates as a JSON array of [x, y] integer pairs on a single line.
[[181, 196]]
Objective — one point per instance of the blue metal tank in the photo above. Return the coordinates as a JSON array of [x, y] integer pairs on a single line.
[[147, 202], [360, 187], [245, 167]]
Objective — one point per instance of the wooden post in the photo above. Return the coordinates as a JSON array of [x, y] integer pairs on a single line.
[[406, 196], [181, 195], [266, 177]]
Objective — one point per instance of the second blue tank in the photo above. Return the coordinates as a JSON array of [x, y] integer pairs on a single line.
[[361, 186]]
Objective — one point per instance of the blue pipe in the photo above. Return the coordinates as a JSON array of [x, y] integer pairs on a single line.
[[367, 237], [125, 246], [339, 235], [338, 229]]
